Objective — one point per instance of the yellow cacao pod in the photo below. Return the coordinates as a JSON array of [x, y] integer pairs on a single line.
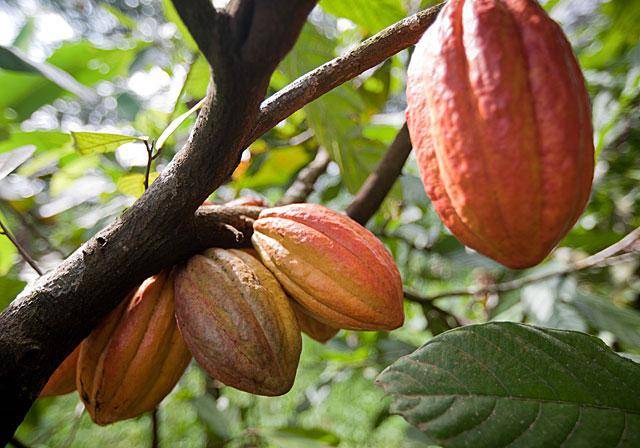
[[133, 359], [63, 379], [312, 327], [238, 322], [336, 269]]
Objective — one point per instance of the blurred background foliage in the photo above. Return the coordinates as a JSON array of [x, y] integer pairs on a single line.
[[135, 69]]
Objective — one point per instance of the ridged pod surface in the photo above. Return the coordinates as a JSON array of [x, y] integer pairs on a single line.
[[133, 359], [238, 322], [312, 327], [63, 379], [335, 268], [500, 119]]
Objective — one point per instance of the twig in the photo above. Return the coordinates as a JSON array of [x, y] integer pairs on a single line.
[[330, 75], [155, 441], [377, 185], [605, 257], [147, 171], [438, 320], [33, 228], [25, 256], [302, 187]]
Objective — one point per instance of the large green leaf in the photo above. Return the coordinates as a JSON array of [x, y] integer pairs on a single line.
[[370, 15], [506, 384], [98, 142], [24, 93]]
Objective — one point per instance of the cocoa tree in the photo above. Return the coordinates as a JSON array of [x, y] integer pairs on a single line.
[[243, 44]]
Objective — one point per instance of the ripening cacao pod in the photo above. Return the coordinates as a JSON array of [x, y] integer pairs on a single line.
[[336, 269], [312, 327], [63, 379], [238, 322], [133, 359], [500, 119]]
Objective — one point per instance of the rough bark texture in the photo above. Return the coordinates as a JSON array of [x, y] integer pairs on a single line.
[[157, 231], [243, 44]]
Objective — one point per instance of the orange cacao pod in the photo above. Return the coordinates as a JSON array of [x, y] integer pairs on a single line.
[[500, 119], [312, 327], [238, 322], [63, 379], [335, 268], [133, 359]]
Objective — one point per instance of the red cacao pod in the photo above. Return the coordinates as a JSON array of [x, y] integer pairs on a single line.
[[336, 269], [63, 379], [238, 322], [312, 327], [133, 359], [499, 117]]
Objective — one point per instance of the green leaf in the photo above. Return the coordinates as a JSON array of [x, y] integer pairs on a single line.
[[370, 15], [294, 437], [133, 184], [97, 142], [175, 123], [14, 60], [195, 85], [279, 166], [9, 287], [172, 16], [507, 384], [602, 314], [335, 116], [42, 140], [122, 17], [8, 254], [11, 160]]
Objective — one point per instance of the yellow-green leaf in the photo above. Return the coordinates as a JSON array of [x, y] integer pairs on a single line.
[[97, 142], [133, 184]]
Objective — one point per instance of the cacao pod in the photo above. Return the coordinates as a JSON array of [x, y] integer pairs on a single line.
[[238, 322], [336, 269], [499, 117], [133, 359], [312, 327], [63, 379]]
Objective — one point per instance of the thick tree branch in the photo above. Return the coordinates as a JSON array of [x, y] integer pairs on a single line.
[[368, 54], [302, 186], [377, 185], [200, 18], [57, 311]]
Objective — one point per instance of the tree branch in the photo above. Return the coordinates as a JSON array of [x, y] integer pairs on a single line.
[[605, 257], [302, 187], [377, 185], [52, 315], [330, 75]]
